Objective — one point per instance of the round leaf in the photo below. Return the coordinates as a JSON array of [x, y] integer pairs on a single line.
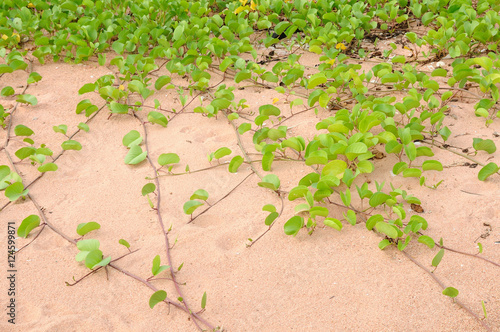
[[333, 223], [385, 228], [157, 297], [158, 118], [71, 145], [48, 167], [427, 240], [222, 152], [487, 170], [450, 291], [235, 164], [84, 228], [148, 189], [190, 206], [293, 225], [132, 138], [168, 158], [135, 155], [200, 194], [27, 225], [22, 130]]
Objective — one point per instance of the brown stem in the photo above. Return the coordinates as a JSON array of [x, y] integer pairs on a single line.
[[229, 193], [162, 225], [441, 284]]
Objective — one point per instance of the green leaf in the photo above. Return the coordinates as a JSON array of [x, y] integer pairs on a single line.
[[242, 75], [158, 118], [25, 152], [86, 227], [297, 192], [437, 259], [350, 216], [157, 268], [385, 228], [268, 110], [103, 262], [89, 87], [427, 240], [317, 157], [34, 77], [486, 145], [162, 81], [27, 99], [222, 152], [93, 258], [365, 166], [61, 129], [270, 181], [412, 173], [318, 211], [178, 32], [432, 165], [5, 69], [7, 91], [48, 167], [333, 223], [84, 127], [27, 225], [487, 170], [315, 80], [269, 208], [355, 149], [373, 220], [270, 218], [190, 206], [168, 159], [244, 127], [267, 161], [439, 72], [15, 190], [124, 243], [132, 138], [135, 155], [204, 300], [86, 246], [200, 194], [157, 297], [335, 168], [235, 164], [384, 243], [293, 225], [71, 145], [450, 291], [118, 108], [22, 130], [378, 198], [148, 188]]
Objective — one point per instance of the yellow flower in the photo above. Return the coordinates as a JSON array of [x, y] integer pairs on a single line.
[[17, 36], [253, 5], [275, 100], [407, 48], [239, 9], [331, 62], [340, 46], [4, 37], [31, 5], [243, 2], [121, 87]]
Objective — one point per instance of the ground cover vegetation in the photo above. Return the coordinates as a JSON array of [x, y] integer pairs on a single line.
[[381, 102]]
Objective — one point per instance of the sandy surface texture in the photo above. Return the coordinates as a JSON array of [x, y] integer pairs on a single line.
[[327, 281]]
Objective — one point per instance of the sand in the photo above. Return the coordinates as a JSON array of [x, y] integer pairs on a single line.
[[327, 281]]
